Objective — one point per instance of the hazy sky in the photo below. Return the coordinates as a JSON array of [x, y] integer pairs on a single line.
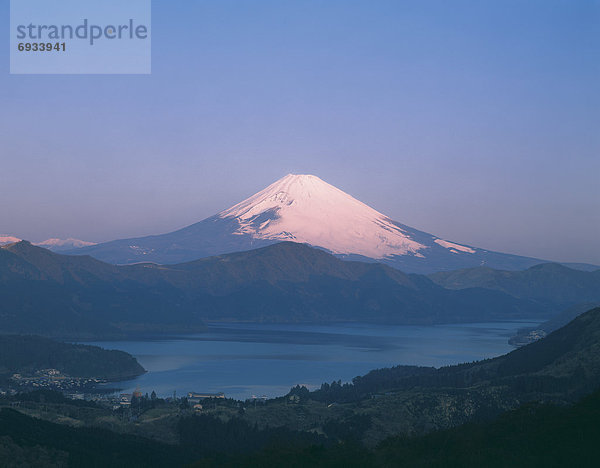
[[475, 121]]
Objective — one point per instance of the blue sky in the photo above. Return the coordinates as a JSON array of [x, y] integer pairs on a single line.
[[477, 121]]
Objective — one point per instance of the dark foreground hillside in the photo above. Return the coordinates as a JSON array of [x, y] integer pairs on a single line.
[[26, 441], [531, 436], [30, 441]]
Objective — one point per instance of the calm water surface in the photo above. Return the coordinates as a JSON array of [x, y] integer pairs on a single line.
[[242, 360]]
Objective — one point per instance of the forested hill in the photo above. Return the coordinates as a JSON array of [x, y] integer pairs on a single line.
[[28, 354], [563, 366], [531, 436]]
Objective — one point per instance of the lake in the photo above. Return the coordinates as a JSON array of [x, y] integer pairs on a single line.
[[242, 360]]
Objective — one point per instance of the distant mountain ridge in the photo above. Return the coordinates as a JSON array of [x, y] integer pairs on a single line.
[[44, 292], [4, 240], [60, 245], [305, 209], [546, 282], [56, 245]]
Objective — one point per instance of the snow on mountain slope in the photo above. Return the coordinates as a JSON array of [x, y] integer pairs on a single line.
[[8, 240], [303, 208], [453, 246], [64, 244]]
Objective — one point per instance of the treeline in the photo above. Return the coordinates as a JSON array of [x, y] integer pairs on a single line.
[[200, 436], [533, 435], [89, 447], [206, 434], [45, 396]]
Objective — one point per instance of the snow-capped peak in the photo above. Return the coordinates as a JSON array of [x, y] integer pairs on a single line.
[[8, 240], [62, 244], [304, 208]]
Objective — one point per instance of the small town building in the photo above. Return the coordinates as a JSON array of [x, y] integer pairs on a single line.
[[125, 399]]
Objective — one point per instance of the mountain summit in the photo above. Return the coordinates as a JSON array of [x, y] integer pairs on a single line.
[[305, 209], [59, 245], [56, 245], [8, 240]]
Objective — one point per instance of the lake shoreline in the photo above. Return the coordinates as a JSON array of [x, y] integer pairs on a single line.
[[245, 359]]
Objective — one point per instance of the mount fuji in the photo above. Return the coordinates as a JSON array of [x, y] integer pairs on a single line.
[[305, 209]]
